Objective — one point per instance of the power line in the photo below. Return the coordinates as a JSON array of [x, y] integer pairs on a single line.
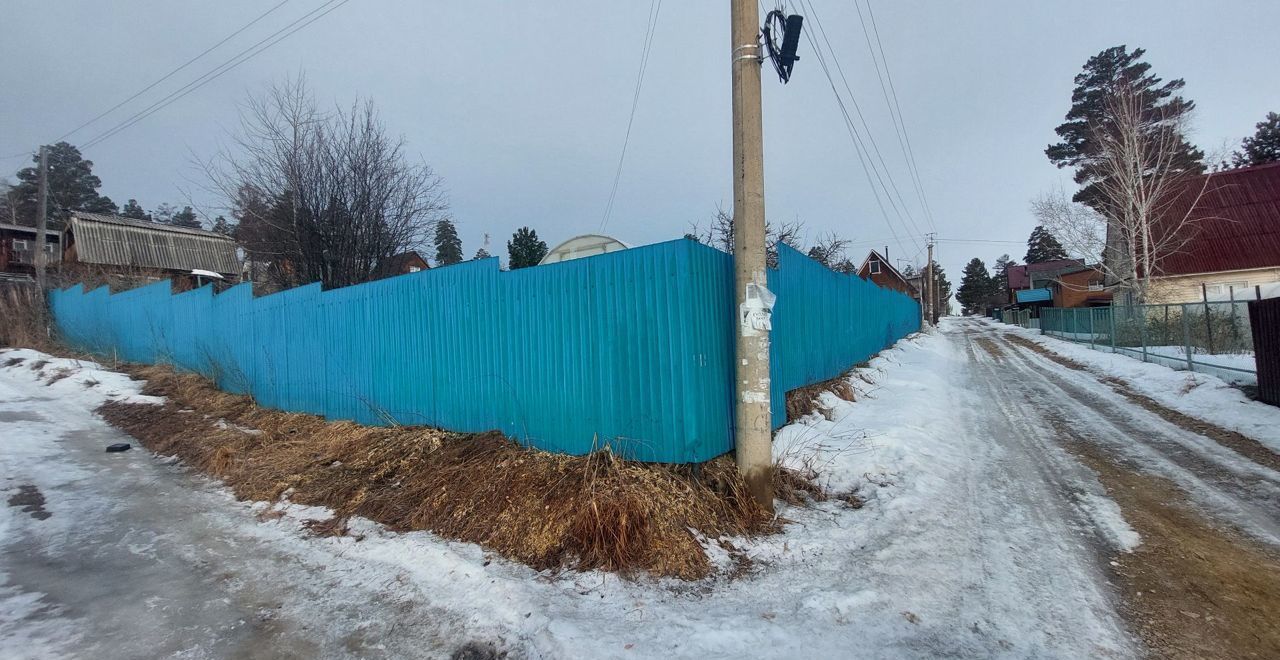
[[171, 73], [979, 240], [868, 166], [655, 6], [217, 72], [865, 127], [899, 125], [163, 78]]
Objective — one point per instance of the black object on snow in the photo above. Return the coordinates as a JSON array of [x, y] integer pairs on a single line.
[[119, 446]]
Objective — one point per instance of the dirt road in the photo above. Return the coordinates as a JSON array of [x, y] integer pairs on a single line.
[[1205, 579]]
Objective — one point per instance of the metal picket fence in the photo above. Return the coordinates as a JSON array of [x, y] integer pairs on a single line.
[[631, 349], [1208, 337], [1020, 317]]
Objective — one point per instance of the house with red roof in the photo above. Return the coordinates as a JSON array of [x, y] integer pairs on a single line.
[[1057, 283], [878, 269], [1232, 249]]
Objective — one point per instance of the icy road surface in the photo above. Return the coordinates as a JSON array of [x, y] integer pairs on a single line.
[[981, 537]]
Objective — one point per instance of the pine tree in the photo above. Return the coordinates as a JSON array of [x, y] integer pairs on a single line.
[[133, 210], [1263, 147], [1000, 278], [524, 249], [221, 226], [1042, 247], [72, 186], [1095, 86], [975, 286], [164, 213], [448, 245], [185, 218]]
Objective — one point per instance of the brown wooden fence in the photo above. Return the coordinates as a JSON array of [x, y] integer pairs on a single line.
[[1264, 319]]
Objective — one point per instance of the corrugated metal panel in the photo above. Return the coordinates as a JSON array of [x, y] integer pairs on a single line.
[[110, 240], [1034, 295], [632, 349], [1237, 222]]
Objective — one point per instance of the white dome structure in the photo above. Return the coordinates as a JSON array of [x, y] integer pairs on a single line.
[[586, 245]]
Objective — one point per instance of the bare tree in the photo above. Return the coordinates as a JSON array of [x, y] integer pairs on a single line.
[[719, 234], [831, 251], [323, 196], [1147, 196], [8, 203]]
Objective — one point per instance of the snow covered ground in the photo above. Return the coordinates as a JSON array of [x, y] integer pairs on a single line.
[[1234, 368], [973, 542], [981, 536], [1200, 395]]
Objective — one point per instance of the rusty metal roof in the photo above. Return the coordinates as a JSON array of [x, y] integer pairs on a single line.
[[116, 241], [1020, 276], [1237, 222]]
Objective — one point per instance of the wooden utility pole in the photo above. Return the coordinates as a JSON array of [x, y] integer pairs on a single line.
[[924, 297], [752, 424], [42, 208], [930, 284]]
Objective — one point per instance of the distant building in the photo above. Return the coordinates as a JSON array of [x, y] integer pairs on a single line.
[[1057, 283], [1234, 243], [112, 245], [877, 269], [586, 245], [1081, 286], [401, 264], [18, 249]]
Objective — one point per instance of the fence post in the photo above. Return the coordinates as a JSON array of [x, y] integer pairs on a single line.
[[1111, 314], [1186, 337], [1142, 327], [1091, 337], [1208, 324], [1235, 330]]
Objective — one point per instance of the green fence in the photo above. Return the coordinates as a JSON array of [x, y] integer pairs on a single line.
[[1208, 337]]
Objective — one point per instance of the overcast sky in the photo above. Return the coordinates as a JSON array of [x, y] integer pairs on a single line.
[[521, 107]]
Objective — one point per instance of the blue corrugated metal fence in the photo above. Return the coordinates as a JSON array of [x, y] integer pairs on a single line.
[[632, 349]]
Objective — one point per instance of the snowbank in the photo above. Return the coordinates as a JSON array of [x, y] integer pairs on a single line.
[[1197, 394], [80, 383]]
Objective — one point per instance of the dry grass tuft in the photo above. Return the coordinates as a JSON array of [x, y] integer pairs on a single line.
[[57, 376], [14, 361], [548, 510], [797, 487], [25, 317], [803, 401]]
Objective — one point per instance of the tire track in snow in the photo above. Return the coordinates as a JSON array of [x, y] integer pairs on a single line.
[[1227, 485], [1044, 492]]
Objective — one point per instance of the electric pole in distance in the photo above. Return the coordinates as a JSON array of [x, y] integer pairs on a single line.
[[929, 285], [752, 424], [40, 261]]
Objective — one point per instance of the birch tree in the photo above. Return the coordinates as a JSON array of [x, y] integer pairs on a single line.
[[1143, 205]]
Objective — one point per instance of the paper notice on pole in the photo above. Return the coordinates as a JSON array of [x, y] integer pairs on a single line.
[[756, 310]]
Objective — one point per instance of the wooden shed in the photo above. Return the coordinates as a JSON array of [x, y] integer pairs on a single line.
[[115, 243]]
